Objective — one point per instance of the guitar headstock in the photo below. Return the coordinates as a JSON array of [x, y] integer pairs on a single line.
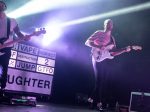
[[136, 47], [39, 32], [128, 48]]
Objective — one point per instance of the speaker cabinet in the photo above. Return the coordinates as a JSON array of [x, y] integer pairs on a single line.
[[139, 102]]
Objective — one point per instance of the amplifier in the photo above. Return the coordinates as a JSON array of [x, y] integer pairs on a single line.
[[139, 102]]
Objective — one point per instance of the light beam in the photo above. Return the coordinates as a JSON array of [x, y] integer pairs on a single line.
[[122, 11], [37, 6]]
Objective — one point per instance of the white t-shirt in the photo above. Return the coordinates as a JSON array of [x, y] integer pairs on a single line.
[[3, 29]]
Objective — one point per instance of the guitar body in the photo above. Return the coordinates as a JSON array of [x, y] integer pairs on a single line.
[[100, 55]]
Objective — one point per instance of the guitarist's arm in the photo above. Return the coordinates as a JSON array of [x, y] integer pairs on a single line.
[[90, 41], [20, 34], [120, 51], [112, 43]]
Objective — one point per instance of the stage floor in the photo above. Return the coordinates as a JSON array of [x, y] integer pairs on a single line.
[[45, 107]]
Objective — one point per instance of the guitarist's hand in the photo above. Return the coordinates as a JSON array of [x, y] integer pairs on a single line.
[[101, 47], [107, 47], [27, 37]]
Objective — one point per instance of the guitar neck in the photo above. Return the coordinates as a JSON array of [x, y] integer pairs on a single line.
[[14, 41], [126, 49], [35, 33], [118, 52], [10, 43]]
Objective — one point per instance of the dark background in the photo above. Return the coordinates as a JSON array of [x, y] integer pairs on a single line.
[[73, 72]]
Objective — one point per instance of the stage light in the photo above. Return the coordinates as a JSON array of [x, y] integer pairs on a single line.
[[37, 6], [53, 32], [122, 11]]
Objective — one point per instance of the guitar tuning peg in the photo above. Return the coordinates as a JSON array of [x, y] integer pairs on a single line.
[[42, 29], [37, 29]]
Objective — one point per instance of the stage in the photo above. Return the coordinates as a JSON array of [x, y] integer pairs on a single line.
[[45, 107]]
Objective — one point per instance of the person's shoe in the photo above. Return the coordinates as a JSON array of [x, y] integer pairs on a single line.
[[100, 106], [90, 103], [90, 100]]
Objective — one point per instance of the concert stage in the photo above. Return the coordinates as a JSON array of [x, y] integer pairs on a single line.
[[46, 107]]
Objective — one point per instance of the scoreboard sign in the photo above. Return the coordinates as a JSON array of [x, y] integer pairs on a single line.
[[31, 69]]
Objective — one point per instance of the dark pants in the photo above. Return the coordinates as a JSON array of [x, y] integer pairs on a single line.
[[4, 61], [102, 80]]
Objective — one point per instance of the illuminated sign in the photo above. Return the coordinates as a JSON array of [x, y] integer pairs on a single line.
[[28, 67], [46, 53], [13, 54], [26, 57], [25, 66], [46, 62], [45, 69], [15, 46], [19, 80], [12, 63], [27, 49]]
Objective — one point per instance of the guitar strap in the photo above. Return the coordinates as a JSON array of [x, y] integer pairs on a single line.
[[8, 31], [8, 27]]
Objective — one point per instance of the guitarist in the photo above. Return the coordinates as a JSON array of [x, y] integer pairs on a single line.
[[8, 27], [100, 39]]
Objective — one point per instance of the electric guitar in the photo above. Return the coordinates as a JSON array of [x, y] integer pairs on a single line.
[[102, 54], [35, 33]]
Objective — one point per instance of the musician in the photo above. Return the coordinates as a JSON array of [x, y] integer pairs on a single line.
[[8, 27], [100, 40]]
